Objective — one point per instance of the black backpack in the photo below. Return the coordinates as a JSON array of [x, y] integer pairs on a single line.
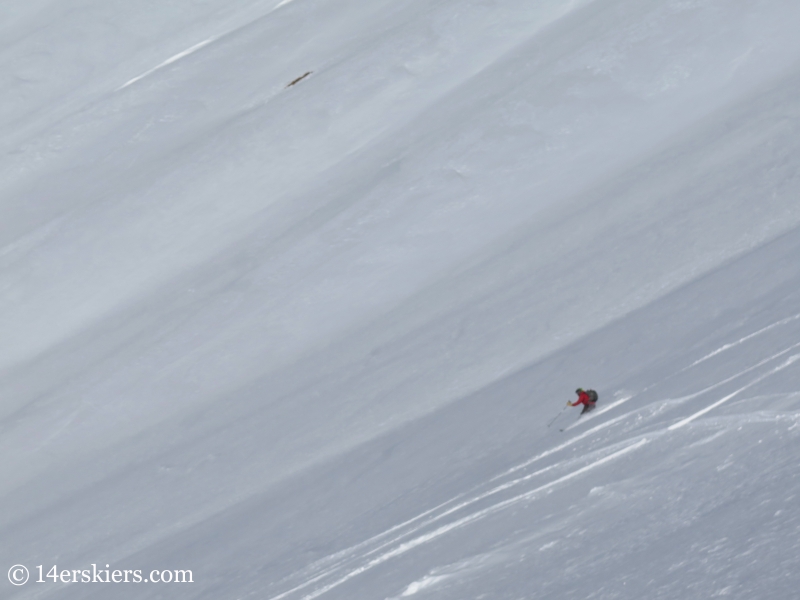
[[592, 395]]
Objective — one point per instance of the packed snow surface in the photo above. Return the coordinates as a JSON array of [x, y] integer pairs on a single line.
[[293, 294]]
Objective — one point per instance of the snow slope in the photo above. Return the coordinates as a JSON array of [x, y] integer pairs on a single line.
[[305, 340]]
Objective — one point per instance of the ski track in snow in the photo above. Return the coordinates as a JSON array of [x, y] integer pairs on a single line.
[[682, 399], [187, 52], [723, 400], [739, 374], [738, 342], [444, 573], [560, 447], [338, 557], [571, 441], [401, 547], [426, 582], [169, 61], [402, 538], [466, 520]]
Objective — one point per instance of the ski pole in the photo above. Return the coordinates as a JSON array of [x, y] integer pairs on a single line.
[[556, 417]]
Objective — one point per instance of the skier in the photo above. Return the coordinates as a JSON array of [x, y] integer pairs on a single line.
[[586, 397]]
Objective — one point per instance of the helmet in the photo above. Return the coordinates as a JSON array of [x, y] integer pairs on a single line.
[[579, 390]]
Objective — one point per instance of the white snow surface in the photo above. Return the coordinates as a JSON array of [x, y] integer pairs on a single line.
[[306, 340]]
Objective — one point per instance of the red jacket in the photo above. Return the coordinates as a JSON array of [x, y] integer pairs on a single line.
[[583, 398]]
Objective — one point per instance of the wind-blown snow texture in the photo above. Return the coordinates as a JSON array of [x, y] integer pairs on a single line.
[[305, 340]]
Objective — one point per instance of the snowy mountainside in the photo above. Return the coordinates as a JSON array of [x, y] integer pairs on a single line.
[[305, 340]]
